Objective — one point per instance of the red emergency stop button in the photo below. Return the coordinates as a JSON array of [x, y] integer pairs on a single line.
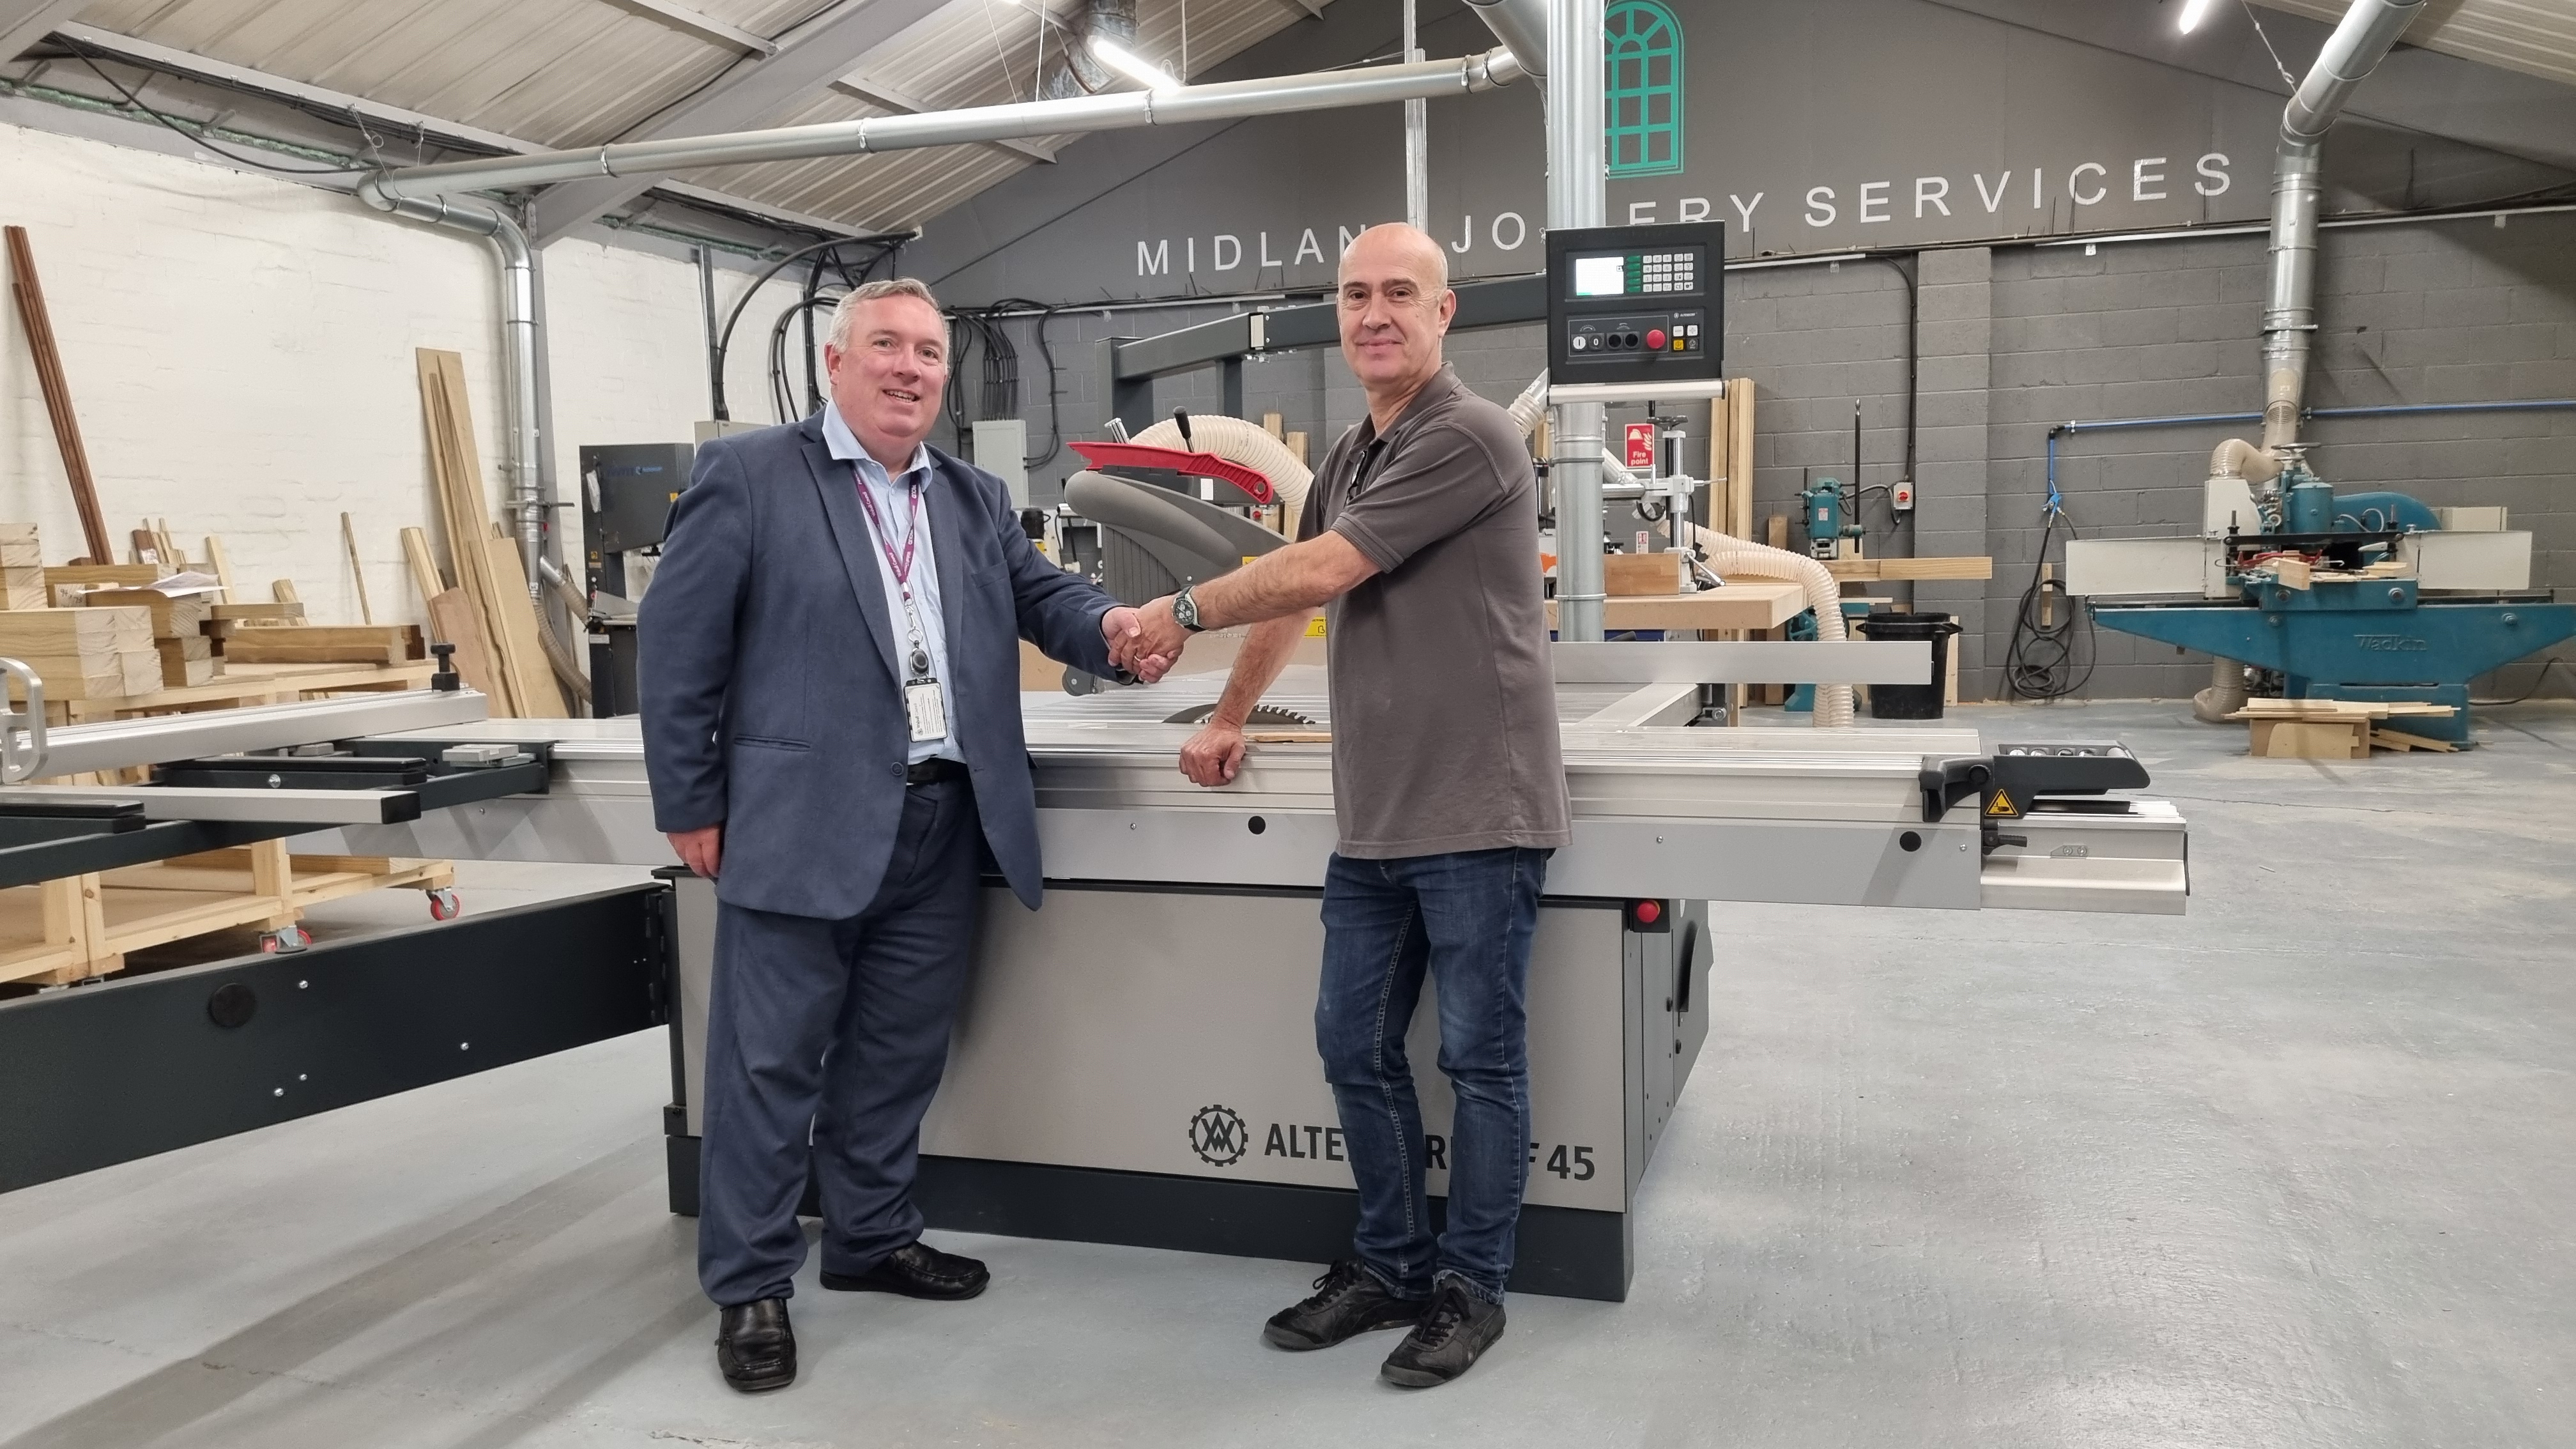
[[1655, 339], [1649, 912]]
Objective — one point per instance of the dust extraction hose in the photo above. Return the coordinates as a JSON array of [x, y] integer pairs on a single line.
[[1731, 557], [1238, 441]]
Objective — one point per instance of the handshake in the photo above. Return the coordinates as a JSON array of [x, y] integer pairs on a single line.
[[1145, 642]]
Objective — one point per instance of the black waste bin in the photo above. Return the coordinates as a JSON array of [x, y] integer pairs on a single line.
[[1911, 701]]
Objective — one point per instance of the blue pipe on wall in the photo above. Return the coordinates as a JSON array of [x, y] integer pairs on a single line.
[[2175, 420]]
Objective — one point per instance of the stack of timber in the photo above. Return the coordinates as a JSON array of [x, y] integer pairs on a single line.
[[499, 619], [22, 568], [2334, 729], [68, 585], [186, 656], [351, 644], [84, 653]]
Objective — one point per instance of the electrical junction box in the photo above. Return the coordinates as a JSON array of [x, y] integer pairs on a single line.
[[1900, 495], [1000, 446], [1636, 305]]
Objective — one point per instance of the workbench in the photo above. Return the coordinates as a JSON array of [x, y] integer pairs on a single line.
[[1742, 604]]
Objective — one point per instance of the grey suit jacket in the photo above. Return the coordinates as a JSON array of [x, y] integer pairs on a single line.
[[769, 674]]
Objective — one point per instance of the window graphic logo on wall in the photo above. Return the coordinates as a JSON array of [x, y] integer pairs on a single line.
[[1642, 45]]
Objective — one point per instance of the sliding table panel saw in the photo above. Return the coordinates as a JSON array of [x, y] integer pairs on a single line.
[[1135, 1060]]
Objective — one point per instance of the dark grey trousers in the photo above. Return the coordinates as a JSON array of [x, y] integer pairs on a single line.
[[833, 1032]]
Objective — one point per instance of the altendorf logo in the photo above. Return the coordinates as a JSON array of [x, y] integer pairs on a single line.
[[1218, 1136], [1641, 88]]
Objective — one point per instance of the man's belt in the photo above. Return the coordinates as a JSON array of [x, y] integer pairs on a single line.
[[934, 770]]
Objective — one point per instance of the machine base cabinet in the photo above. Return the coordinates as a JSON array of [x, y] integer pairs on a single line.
[[1137, 1065]]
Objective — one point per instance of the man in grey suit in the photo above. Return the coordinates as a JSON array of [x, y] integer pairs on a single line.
[[830, 688]]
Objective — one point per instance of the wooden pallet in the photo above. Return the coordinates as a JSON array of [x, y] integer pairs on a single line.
[[81, 926]]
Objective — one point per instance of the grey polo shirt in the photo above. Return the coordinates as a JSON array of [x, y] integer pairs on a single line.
[[1444, 705]]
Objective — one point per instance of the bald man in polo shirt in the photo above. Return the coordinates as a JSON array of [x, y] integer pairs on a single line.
[[1420, 543]]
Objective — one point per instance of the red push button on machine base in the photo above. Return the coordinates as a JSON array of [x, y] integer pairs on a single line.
[[1655, 340]]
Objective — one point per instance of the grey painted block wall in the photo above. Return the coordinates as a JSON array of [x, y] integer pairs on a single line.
[[2014, 339]]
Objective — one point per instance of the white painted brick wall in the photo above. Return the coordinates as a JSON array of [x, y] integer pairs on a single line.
[[240, 350]]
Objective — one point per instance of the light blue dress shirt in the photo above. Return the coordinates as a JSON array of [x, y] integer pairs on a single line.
[[895, 508]]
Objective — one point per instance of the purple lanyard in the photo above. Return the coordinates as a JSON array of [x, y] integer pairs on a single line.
[[912, 532]]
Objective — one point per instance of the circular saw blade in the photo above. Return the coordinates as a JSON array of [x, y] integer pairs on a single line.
[[1263, 716]]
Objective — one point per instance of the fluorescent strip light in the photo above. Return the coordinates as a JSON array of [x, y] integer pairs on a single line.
[[1129, 64], [2194, 12]]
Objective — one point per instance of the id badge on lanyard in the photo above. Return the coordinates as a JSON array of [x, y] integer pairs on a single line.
[[927, 708], [925, 704]]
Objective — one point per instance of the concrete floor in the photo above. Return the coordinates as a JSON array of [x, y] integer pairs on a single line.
[[2294, 1170]]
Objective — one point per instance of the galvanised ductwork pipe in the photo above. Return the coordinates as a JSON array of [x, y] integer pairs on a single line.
[[1575, 139], [2359, 43], [1520, 25], [2355, 49], [518, 362], [1225, 101]]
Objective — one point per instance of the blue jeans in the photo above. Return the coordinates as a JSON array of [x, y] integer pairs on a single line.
[[1467, 918]]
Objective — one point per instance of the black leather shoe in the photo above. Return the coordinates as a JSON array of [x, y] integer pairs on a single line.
[[1447, 1342], [755, 1347], [1349, 1301], [916, 1270]]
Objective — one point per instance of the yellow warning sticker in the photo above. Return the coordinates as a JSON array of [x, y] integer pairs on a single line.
[[1315, 627], [2002, 804]]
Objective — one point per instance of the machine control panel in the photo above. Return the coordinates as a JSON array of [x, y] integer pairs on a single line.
[[1636, 304]]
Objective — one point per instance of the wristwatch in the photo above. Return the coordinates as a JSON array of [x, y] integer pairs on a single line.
[[1185, 609]]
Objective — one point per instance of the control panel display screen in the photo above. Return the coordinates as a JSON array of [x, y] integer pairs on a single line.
[[1634, 306], [1601, 276], [1635, 273]]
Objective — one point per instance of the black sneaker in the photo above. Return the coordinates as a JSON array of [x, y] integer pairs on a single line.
[[1456, 1331], [1349, 1301]]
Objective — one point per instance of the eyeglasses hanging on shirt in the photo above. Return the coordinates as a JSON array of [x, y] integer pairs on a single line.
[[1365, 467], [924, 705]]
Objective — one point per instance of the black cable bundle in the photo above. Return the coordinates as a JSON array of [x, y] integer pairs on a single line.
[[781, 397], [1055, 420], [2039, 662], [1001, 370]]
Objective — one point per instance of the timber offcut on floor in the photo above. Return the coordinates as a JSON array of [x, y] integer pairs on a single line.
[[2293, 1169]]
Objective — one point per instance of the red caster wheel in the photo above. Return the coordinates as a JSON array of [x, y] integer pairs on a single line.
[[444, 906], [285, 941]]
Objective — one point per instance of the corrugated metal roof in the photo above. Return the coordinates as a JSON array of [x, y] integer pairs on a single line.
[[568, 73], [2536, 37]]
